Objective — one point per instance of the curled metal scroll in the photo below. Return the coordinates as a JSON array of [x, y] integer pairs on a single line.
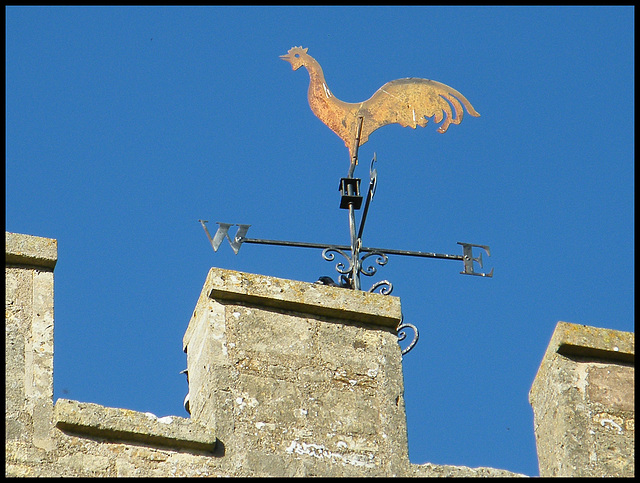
[[402, 335], [371, 270], [384, 285], [346, 268], [328, 255]]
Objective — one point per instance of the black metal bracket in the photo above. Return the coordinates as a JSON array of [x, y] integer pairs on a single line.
[[350, 193]]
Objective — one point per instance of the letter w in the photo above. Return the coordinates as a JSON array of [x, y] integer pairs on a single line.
[[223, 232]]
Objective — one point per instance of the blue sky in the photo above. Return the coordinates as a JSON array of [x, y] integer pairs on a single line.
[[126, 125]]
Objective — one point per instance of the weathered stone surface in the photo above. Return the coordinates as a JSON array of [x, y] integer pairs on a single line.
[[612, 387], [449, 471], [29, 338], [117, 424], [78, 456], [30, 250], [288, 379], [301, 374], [305, 297], [583, 399]]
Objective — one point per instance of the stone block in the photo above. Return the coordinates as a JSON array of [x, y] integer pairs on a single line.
[[305, 375], [29, 337], [30, 250], [583, 399], [124, 425]]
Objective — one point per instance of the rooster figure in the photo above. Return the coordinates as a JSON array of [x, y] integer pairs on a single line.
[[407, 102]]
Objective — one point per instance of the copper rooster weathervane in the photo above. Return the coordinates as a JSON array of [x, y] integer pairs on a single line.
[[408, 102]]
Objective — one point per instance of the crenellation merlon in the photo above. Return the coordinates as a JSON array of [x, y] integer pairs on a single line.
[[30, 251], [124, 425]]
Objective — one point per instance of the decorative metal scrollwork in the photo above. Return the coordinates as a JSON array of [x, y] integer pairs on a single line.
[[384, 285], [402, 335], [329, 255], [371, 270], [346, 269], [355, 255]]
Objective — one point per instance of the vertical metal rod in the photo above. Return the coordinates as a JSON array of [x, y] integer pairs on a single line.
[[372, 184], [355, 243], [355, 250], [354, 160]]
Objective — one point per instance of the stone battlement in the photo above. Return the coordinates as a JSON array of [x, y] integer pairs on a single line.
[[288, 378]]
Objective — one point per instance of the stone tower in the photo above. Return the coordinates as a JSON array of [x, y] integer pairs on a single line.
[[298, 378], [288, 378]]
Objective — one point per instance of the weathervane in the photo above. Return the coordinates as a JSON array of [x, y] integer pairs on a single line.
[[407, 102]]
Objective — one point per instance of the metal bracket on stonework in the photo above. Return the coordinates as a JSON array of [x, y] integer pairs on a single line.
[[357, 258]]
